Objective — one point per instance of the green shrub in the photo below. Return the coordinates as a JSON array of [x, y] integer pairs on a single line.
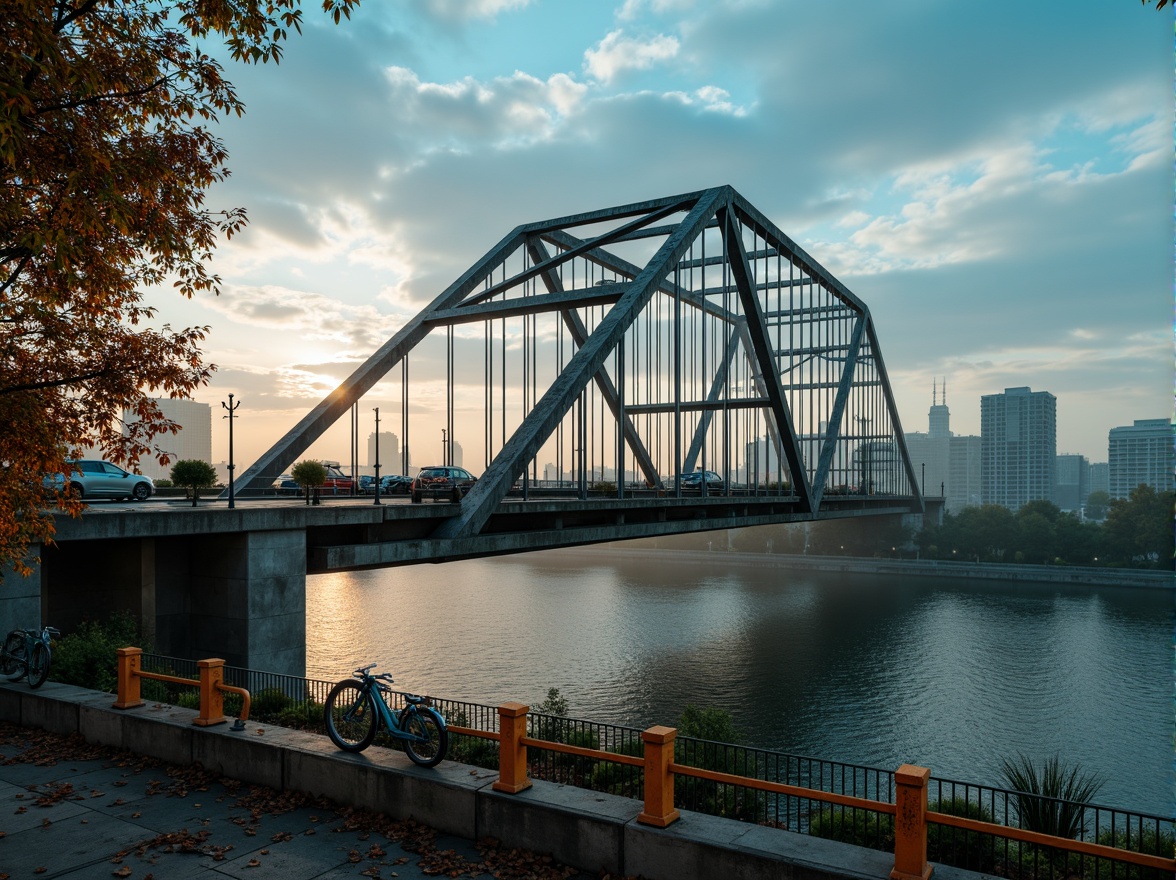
[[471, 749], [267, 704], [859, 827], [957, 847], [617, 778], [188, 698], [87, 657], [1145, 840], [1050, 799], [306, 715]]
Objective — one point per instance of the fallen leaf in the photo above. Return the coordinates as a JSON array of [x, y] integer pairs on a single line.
[[253, 863], [124, 871], [136, 815], [40, 870], [265, 852], [354, 857]]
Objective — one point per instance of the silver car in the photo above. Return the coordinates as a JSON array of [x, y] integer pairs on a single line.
[[91, 478]]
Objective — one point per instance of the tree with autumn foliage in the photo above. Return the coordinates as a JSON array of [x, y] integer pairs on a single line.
[[107, 148]]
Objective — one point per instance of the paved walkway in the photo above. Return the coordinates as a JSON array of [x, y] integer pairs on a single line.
[[69, 809]]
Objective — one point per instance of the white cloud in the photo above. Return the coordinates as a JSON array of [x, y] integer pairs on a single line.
[[617, 53]]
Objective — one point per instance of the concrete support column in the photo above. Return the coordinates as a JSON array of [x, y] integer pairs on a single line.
[[247, 600], [20, 597]]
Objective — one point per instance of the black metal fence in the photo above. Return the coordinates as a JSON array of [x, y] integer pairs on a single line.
[[297, 702]]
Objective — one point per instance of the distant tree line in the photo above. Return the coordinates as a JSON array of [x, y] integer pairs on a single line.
[[1137, 532]]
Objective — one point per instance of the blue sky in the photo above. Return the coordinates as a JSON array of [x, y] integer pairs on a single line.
[[994, 181]]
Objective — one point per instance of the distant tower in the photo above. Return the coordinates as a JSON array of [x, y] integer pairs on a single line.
[[939, 418]]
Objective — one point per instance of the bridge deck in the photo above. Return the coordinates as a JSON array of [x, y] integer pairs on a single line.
[[347, 533]]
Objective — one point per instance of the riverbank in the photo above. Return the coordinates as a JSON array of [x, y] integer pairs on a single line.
[[933, 568]]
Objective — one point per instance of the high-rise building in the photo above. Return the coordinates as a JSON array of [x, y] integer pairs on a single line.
[[193, 442], [1100, 477], [389, 452], [1140, 453], [1071, 482], [962, 487], [456, 455], [1018, 446]]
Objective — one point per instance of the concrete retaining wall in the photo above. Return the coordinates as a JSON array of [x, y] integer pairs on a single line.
[[592, 831]]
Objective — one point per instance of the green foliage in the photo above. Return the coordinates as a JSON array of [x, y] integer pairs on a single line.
[[617, 778], [303, 715], [193, 473], [471, 749], [554, 704], [1140, 840], [1050, 799], [188, 698], [309, 473], [859, 827], [1139, 529], [716, 725], [957, 847], [269, 703], [1136, 532], [87, 658], [604, 488], [163, 484], [1097, 505]]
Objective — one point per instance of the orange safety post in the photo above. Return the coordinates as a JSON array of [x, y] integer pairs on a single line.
[[129, 660], [512, 754], [212, 699], [659, 779], [910, 823]]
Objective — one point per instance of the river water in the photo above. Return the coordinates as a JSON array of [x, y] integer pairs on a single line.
[[949, 674]]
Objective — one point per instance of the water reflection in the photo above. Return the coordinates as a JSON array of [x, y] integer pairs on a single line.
[[869, 670]]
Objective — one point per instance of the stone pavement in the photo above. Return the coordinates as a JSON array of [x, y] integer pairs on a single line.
[[70, 809]]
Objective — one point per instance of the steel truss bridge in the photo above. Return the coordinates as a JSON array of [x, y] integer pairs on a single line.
[[588, 362]]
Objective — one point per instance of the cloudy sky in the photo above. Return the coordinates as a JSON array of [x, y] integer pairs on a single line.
[[993, 180]]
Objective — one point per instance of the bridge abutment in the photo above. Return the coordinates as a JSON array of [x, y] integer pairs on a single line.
[[20, 597], [240, 596]]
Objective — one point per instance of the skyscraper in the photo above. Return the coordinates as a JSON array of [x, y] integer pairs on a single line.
[[1140, 453], [193, 442], [1072, 484], [1018, 446]]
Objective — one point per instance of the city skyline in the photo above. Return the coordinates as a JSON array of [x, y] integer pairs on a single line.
[[1007, 229]]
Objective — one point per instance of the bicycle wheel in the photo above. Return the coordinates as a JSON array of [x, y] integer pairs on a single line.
[[431, 739], [350, 717], [14, 656], [39, 665]]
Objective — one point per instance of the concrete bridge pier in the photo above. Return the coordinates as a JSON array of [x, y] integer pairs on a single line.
[[240, 596], [20, 597]]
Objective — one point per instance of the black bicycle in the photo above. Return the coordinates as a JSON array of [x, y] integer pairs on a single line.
[[27, 652]]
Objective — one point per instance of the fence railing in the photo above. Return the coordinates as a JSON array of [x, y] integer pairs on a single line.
[[907, 811], [210, 681]]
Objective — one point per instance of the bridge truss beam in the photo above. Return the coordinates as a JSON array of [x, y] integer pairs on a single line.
[[627, 347]]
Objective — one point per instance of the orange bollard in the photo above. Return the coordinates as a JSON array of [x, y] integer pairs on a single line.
[[910, 823], [659, 779], [512, 754], [212, 699], [129, 660]]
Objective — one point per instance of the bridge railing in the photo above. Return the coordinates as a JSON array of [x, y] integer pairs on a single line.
[[918, 817]]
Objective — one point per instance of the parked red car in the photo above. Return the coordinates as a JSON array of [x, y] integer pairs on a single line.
[[337, 481]]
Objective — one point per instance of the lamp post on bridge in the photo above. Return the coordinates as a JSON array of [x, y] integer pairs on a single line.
[[232, 408], [376, 496]]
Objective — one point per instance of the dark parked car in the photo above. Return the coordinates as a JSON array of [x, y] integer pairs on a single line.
[[93, 478], [693, 482], [447, 483], [337, 482]]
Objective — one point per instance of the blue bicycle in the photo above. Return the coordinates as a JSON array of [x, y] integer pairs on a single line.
[[356, 707]]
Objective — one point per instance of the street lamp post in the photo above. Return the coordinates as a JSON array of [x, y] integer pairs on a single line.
[[232, 408], [444, 447], [376, 496]]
